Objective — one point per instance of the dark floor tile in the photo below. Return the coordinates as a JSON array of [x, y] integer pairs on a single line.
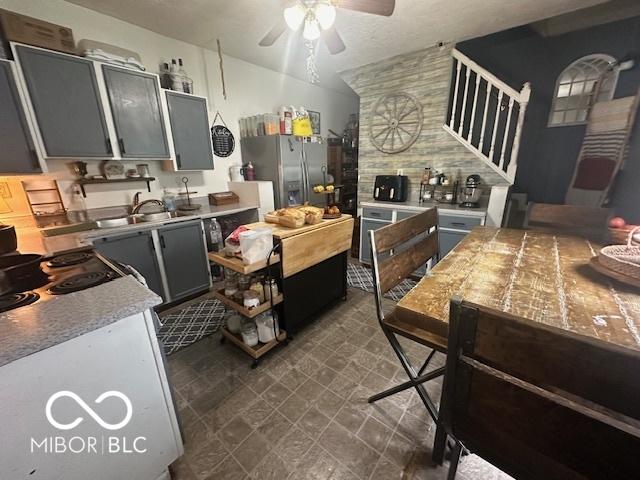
[[229, 469], [251, 452], [272, 467], [342, 386], [294, 407], [274, 427], [325, 375], [257, 412], [351, 417], [276, 394], [205, 459], [375, 434], [310, 390], [350, 450], [293, 379], [234, 433], [313, 422], [387, 470], [336, 362], [294, 446], [329, 403]]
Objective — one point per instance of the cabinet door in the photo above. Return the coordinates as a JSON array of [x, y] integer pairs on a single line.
[[64, 95], [16, 144], [448, 240], [185, 258], [137, 250], [365, 248], [190, 131], [135, 103]]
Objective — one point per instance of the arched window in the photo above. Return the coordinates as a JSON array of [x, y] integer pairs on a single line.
[[578, 84]]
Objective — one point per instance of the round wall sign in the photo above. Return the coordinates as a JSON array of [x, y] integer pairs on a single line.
[[223, 141]]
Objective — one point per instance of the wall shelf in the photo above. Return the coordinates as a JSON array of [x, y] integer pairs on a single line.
[[94, 181]]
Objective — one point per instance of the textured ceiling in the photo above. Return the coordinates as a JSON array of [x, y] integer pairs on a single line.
[[415, 24]]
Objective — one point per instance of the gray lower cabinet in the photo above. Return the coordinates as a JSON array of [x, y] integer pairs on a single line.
[[365, 244], [190, 131], [64, 94], [448, 240], [135, 249], [134, 98], [185, 258], [16, 144]]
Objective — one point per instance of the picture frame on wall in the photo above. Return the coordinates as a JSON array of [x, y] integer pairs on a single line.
[[315, 121]]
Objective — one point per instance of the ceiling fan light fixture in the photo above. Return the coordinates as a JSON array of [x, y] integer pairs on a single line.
[[294, 16], [311, 29], [326, 15]]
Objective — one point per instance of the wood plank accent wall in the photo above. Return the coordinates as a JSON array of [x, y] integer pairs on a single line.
[[425, 74]]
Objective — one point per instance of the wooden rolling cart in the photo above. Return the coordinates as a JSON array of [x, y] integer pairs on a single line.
[[237, 265]]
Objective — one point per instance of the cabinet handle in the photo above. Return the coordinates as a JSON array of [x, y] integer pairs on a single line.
[[459, 224], [178, 160], [162, 244], [107, 142], [121, 144], [153, 247]]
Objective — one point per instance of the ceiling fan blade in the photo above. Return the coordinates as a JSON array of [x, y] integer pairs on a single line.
[[277, 30], [333, 41], [375, 7]]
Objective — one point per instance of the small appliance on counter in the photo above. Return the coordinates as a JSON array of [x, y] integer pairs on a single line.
[[471, 193], [391, 188], [8, 239]]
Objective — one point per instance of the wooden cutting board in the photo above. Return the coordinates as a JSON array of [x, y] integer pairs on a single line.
[[281, 232]]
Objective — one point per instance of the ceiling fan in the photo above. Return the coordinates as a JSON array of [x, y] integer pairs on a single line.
[[318, 17]]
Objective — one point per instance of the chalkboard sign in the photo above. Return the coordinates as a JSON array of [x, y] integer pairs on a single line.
[[223, 141]]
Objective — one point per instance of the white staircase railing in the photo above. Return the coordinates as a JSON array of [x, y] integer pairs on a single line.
[[486, 115]]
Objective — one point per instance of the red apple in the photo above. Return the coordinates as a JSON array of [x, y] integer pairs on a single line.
[[617, 222]]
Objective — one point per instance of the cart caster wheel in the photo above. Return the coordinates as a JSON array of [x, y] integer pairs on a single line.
[[254, 364], [223, 339]]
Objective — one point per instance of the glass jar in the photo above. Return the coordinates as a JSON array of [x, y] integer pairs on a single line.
[[250, 299], [234, 323], [270, 288], [244, 282], [230, 288], [265, 326], [249, 334], [257, 287]]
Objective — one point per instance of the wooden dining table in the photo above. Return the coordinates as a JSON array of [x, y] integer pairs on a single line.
[[542, 277]]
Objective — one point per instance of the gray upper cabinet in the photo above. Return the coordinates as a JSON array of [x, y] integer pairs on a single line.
[[66, 102], [190, 131], [17, 151], [137, 113], [185, 258]]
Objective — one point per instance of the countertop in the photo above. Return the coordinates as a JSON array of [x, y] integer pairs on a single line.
[[442, 207], [31, 239], [56, 319]]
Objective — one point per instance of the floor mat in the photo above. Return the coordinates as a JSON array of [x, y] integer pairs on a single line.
[[190, 324], [359, 276]]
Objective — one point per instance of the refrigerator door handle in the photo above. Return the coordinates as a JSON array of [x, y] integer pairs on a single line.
[[305, 176]]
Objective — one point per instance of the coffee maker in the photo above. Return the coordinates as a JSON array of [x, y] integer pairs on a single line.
[[470, 195]]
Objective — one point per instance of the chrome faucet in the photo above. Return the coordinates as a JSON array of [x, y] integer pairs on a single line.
[[136, 204]]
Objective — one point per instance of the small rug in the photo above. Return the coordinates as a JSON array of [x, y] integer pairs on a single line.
[[190, 324], [359, 276]]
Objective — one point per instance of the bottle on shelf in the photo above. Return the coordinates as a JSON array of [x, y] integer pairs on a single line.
[[187, 83], [165, 78], [176, 78], [169, 200]]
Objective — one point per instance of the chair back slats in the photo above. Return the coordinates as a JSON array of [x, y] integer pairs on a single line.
[[553, 358], [401, 232], [570, 219], [399, 266], [540, 402]]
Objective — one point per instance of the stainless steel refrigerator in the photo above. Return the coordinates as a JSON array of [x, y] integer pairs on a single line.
[[293, 165]]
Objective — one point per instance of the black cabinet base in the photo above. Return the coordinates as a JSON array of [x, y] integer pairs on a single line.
[[311, 291]]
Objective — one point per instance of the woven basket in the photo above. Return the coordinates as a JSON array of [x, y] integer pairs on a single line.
[[624, 259], [620, 236]]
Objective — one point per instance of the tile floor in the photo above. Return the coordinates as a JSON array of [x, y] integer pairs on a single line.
[[302, 414]]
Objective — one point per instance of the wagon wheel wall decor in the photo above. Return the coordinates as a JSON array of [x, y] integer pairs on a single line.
[[396, 122]]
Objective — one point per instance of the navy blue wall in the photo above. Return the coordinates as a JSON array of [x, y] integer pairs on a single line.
[[548, 155]]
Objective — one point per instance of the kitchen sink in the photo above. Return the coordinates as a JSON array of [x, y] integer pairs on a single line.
[[115, 221], [134, 218]]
